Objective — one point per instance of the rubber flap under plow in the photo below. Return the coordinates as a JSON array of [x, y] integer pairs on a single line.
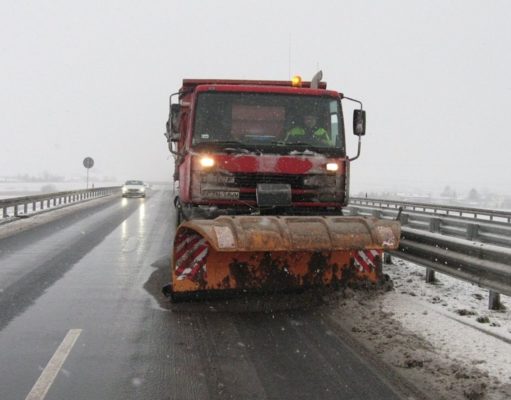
[[279, 253]]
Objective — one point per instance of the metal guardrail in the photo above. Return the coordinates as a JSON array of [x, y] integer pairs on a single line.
[[485, 265], [484, 231], [431, 208], [18, 207], [474, 250]]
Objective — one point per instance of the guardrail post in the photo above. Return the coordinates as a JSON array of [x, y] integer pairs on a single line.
[[403, 218], [434, 225], [4, 212], [472, 231], [430, 275], [16, 210], [494, 301], [25, 208]]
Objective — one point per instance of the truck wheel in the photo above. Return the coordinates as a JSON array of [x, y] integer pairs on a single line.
[[179, 217]]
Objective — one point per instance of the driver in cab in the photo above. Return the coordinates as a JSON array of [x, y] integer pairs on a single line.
[[310, 132]]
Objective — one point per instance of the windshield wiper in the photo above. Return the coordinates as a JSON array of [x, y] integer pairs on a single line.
[[299, 144], [235, 150], [231, 146], [233, 142]]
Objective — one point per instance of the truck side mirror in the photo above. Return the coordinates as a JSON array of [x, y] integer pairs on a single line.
[[174, 118], [174, 137], [359, 122]]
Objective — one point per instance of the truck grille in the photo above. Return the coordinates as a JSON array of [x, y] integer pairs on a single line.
[[303, 197], [251, 180]]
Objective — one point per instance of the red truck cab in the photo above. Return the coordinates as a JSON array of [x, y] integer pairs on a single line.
[[259, 147]]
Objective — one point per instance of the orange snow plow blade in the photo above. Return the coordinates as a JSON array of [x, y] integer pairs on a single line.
[[272, 253]]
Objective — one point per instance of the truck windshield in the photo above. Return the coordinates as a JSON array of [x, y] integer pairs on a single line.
[[267, 121]]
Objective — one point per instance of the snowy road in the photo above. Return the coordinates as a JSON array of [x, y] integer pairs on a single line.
[[84, 292], [85, 288]]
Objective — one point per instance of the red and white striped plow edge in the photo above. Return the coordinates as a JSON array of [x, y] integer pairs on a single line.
[[191, 255], [365, 260]]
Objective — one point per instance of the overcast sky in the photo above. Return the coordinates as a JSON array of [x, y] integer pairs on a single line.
[[92, 78]]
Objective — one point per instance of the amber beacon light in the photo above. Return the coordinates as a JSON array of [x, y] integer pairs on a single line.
[[296, 81]]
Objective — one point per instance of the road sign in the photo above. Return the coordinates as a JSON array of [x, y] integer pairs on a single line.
[[88, 162]]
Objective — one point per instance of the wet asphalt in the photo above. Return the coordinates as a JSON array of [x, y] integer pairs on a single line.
[[100, 270]]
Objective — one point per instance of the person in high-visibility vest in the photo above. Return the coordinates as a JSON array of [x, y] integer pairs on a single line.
[[309, 133]]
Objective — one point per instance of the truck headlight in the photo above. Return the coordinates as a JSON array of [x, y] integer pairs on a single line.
[[206, 162], [332, 166]]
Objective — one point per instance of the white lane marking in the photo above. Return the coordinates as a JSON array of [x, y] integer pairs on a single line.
[[43, 384]]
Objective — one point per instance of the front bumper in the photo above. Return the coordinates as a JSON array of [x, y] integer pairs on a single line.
[[133, 193]]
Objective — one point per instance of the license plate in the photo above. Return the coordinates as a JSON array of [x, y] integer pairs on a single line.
[[220, 194]]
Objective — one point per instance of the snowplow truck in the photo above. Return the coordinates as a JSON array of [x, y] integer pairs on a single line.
[[261, 179]]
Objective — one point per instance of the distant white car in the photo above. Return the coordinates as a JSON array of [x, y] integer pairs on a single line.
[[134, 189]]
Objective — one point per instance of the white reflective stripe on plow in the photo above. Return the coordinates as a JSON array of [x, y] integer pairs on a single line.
[[375, 253], [189, 252], [183, 243], [366, 259], [197, 260]]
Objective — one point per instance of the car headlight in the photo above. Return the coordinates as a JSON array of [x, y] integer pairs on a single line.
[[142, 189], [124, 190]]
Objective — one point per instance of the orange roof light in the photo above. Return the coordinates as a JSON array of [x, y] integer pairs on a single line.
[[296, 81]]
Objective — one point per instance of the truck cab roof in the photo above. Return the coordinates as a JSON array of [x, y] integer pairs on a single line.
[[188, 83]]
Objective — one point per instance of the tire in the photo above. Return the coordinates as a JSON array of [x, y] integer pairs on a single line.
[[179, 217]]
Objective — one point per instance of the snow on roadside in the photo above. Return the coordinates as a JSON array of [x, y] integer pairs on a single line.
[[430, 334], [453, 316], [465, 302]]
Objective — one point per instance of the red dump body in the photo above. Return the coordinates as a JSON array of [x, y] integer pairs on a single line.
[[253, 120]]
